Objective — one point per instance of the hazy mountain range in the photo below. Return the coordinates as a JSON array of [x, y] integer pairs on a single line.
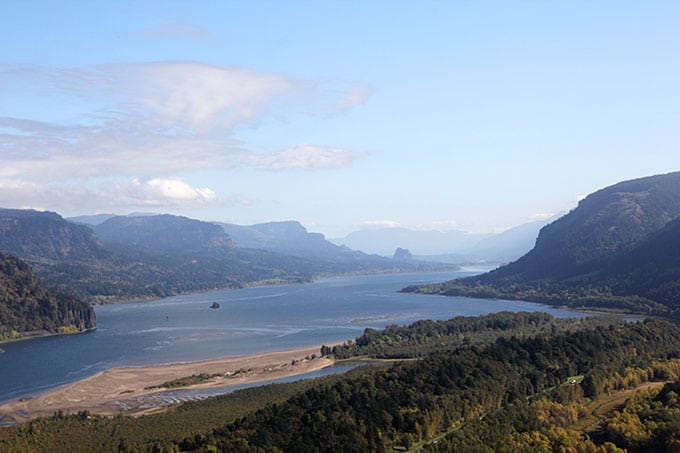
[[288, 237], [292, 238], [620, 248], [147, 256], [448, 246]]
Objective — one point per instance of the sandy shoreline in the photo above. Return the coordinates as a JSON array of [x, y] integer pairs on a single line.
[[124, 390]]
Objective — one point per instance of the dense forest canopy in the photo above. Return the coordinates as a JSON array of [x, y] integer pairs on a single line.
[[537, 393], [26, 306]]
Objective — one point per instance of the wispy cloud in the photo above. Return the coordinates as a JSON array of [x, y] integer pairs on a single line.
[[154, 122], [381, 224], [351, 97], [436, 225], [541, 216], [305, 157], [440, 225], [176, 29], [204, 97], [37, 151]]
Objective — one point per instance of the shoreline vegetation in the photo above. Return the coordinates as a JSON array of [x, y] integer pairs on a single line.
[[143, 390], [443, 268], [126, 390], [35, 334], [507, 381]]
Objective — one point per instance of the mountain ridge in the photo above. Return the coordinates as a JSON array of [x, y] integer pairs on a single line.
[[150, 257], [31, 234], [285, 236], [165, 233], [615, 250]]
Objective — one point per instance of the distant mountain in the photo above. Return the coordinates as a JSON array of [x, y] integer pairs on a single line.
[[402, 255], [617, 249], [384, 241], [288, 237], [293, 239], [95, 219], [26, 307], [144, 257], [68, 255], [40, 236], [508, 245], [166, 233], [500, 248], [448, 246]]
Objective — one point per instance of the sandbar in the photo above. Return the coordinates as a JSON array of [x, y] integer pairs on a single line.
[[126, 390]]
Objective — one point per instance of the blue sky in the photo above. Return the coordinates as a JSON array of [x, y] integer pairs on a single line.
[[470, 115]]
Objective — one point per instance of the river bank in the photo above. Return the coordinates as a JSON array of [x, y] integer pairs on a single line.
[[126, 390]]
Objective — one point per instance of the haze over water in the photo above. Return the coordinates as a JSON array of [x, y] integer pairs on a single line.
[[252, 320]]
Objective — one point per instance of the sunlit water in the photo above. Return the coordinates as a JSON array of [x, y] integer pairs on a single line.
[[252, 320]]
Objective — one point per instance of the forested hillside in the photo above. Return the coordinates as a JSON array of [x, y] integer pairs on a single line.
[[157, 256], [616, 250], [497, 392], [537, 393], [408, 403], [71, 256], [426, 337], [27, 307], [46, 236], [166, 233], [606, 223]]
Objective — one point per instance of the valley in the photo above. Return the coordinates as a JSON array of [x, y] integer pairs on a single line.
[[501, 356]]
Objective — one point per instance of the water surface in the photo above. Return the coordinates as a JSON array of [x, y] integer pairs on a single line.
[[252, 320]]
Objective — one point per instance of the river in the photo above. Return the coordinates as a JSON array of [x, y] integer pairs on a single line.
[[252, 320]]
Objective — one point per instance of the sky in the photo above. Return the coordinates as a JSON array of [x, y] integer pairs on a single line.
[[343, 115]]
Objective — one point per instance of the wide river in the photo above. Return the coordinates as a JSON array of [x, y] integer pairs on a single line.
[[252, 320]]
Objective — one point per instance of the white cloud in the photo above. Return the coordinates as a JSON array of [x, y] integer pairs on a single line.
[[305, 157], [381, 224], [37, 151], [151, 118], [120, 196], [148, 123], [203, 97], [168, 191]]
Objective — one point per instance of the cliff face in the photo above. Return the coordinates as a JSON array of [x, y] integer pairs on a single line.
[[26, 306]]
